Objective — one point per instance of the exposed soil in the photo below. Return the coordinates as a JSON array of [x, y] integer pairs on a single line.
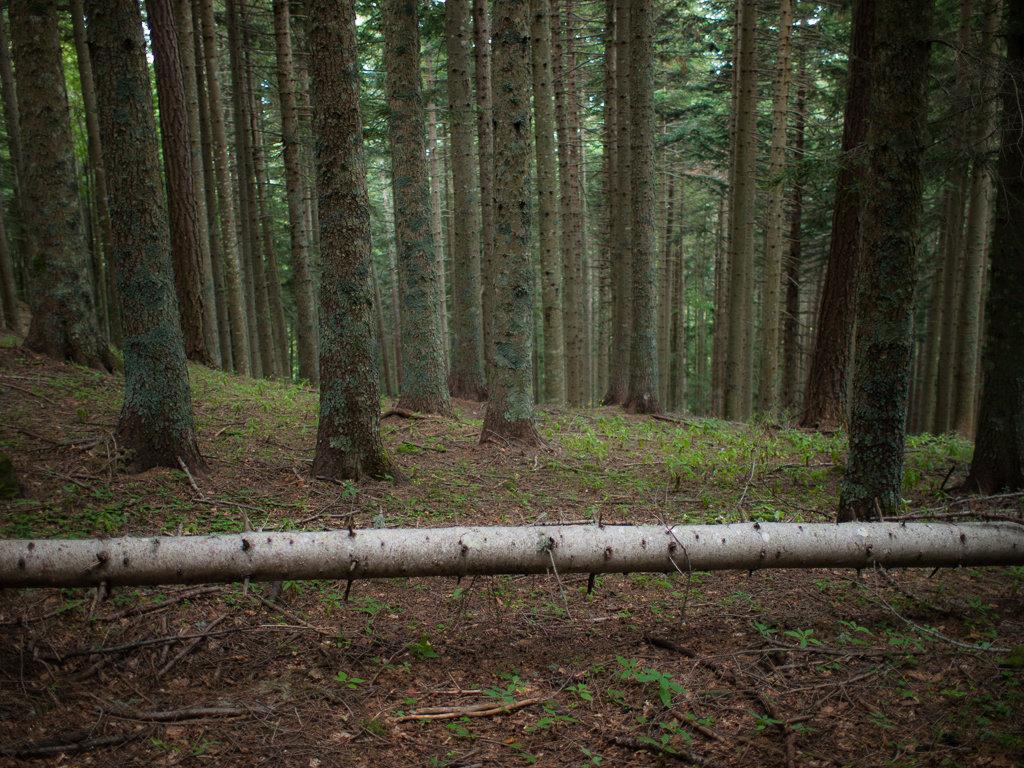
[[808, 668]]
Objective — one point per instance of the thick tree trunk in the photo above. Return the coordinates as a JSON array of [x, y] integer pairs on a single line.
[[998, 462], [156, 426], [825, 401], [348, 443], [186, 252], [642, 394], [510, 409], [424, 386], [892, 238], [551, 262], [63, 322], [382, 553]]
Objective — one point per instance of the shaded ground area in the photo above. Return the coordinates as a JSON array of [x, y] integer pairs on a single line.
[[809, 668]]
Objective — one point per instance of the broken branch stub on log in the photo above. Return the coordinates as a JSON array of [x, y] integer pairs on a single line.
[[391, 553]]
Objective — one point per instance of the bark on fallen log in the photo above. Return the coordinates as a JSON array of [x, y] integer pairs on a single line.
[[391, 553]]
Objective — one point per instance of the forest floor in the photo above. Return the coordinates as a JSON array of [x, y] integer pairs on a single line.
[[771, 668]]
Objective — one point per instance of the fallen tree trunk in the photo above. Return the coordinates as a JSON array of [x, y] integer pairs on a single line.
[[399, 552]]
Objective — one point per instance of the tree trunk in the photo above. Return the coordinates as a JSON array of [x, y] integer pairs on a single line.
[[642, 394], [825, 401], [209, 185], [187, 48], [25, 243], [252, 251], [99, 173], [63, 324], [424, 386], [510, 409], [437, 221], [768, 399], [485, 159], [739, 344], [7, 291], [951, 228], [382, 338], [979, 211], [348, 443], [155, 427], [892, 237], [186, 251], [305, 305], [229, 239], [390, 553], [567, 122], [666, 293], [998, 462], [621, 263], [791, 322], [466, 378], [609, 187], [547, 205]]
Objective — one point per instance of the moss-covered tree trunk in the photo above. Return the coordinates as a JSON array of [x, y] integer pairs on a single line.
[[892, 239], [510, 409], [424, 385], [466, 378], [825, 400], [642, 395], [186, 253], [63, 322], [156, 425], [305, 305], [998, 462], [348, 442]]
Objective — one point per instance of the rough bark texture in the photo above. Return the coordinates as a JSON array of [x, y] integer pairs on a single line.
[[998, 462], [348, 442], [63, 322], [305, 306], [510, 410], [7, 289], [466, 378], [642, 395], [186, 252], [423, 378], [547, 205], [155, 427], [825, 401], [892, 237]]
